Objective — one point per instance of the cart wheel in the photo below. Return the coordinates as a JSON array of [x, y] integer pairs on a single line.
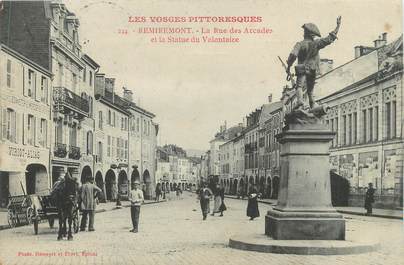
[[11, 218], [30, 215], [51, 222], [36, 226]]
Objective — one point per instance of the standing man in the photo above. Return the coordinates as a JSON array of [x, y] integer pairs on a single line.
[[308, 60], [369, 199], [136, 198], [87, 194], [204, 195]]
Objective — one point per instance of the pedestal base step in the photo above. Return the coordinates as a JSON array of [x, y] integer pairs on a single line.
[[263, 243]]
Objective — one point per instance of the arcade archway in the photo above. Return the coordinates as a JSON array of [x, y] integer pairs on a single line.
[[269, 188], [100, 184], [275, 187], [123, 184], [110, 185]]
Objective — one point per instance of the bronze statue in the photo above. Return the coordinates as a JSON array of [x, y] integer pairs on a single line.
[[308, 60]]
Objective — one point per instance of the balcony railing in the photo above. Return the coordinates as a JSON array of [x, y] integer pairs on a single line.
[[74, 152], [60, 150], [64, 97]]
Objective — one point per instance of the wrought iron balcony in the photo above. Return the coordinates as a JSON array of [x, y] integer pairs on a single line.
[[60, 150], [74, 152], [65, 101]]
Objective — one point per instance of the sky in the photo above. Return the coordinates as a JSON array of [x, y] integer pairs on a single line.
[[192, 88]]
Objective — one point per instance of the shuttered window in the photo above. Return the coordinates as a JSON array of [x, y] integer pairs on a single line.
[[9, 125]]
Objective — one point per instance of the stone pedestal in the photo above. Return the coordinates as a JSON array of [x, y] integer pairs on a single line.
[[304, 210]]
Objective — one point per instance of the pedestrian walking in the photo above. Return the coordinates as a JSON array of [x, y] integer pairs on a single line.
[[222, 207], [369, 199], [178, 192], [114, 192], [87, 195], [204, 196], [158, 192], [252, 206], [136, 198], [217, 200]]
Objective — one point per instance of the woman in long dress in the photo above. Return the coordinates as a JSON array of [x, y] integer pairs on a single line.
[[218, 200], [252, 207], [222, 207]]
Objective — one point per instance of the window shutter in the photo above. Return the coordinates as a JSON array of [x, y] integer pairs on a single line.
[[24, 128], [3, 123], [25, 80], [37, 128], [47, 136], [13, 127], [19, 129], [37, 87]]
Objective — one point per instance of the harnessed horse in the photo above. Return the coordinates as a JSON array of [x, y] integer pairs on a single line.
[[65, 196]]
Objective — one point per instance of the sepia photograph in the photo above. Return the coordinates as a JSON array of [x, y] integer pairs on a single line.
[[201, 132]]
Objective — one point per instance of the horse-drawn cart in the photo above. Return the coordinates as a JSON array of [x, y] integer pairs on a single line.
[[34, 209]]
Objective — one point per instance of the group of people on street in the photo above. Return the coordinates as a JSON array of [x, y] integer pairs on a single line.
[[88, 196], [205, 194]]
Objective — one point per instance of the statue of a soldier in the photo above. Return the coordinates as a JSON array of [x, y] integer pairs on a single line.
[[308, 60]]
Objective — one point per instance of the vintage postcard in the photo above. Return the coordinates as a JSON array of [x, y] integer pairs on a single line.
[[201, 132]]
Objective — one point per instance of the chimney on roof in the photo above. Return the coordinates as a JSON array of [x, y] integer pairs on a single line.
[[99, 85], [381, 41], [270, 98], [127, 94], [326, 65]]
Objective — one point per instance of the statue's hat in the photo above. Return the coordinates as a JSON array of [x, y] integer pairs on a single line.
[[312, 29]]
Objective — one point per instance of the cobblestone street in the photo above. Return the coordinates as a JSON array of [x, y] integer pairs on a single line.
[[173, 233]]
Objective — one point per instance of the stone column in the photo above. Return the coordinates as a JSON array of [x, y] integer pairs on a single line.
[[304, 210]]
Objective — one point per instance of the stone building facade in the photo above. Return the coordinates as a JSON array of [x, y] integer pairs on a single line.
[[25, 134], [365, 97]]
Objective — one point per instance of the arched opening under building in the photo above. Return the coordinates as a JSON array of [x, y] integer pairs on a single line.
[[100, 184], [275, 187], [262, 185], [148, 184], [110, 185], [234, 190], [36, 179], [240, 187], [123, 185], [171, 186], [183, 186], [135, 176], [85, 174], [167, 186], [269, 188]]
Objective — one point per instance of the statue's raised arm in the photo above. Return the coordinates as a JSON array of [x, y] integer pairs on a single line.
[[307, 54]]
